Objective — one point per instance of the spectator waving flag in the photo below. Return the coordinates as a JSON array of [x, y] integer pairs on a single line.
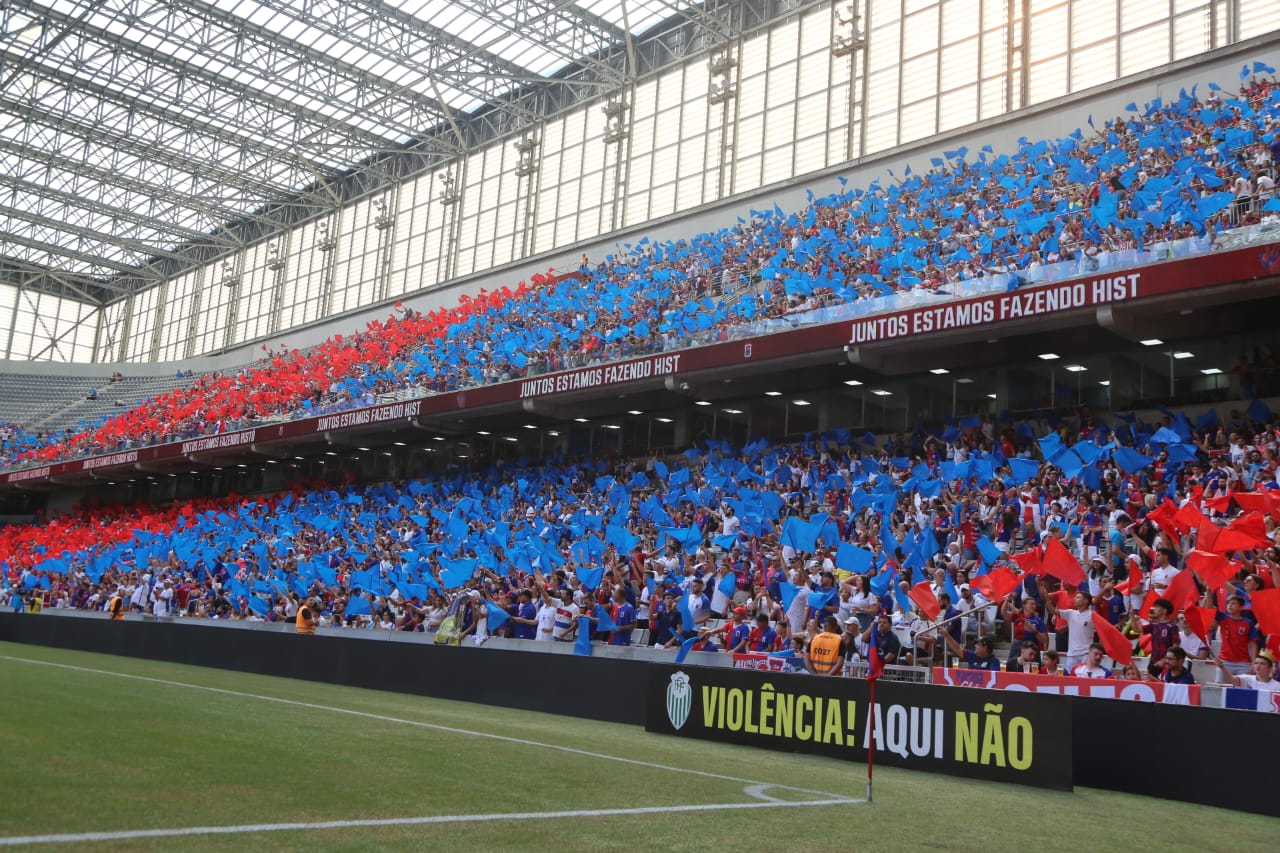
[[875, 664]]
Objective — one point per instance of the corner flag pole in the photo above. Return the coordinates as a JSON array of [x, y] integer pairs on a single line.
[[871, 738]]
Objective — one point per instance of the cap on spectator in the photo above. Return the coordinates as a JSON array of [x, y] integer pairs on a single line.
[[739, 611], [852, 620]]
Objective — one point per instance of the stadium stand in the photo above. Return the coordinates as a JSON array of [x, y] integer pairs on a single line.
[[1168, 181], [1145, 534]]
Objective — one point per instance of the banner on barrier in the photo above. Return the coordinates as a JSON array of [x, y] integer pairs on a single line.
[[980, 735], [764, 662], [1066, 685], [1244, 699]]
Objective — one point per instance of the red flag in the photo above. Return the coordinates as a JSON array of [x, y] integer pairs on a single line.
[[1219, 504], [1134, 580], [1200, 620], [922, 595], [875, 664], [1182, 590], [996, 584], [1245, 533], [1144, 611], [1213, 569], [1029, 561], [1207, 536], [1265, 604], [1057, 561], [1117, 647]]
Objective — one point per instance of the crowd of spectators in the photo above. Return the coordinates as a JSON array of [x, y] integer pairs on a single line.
[[1155, 538], [1122, 194]]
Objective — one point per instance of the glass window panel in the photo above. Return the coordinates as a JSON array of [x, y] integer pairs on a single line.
[[958, 108], [815, 73], [751, 92], [1190, 35], [689, 192], [1092, 66], [777, 165], [1135, 14], [750, 135], [662, 200], [1091, 21], [1144, 49], [783, 43], [1257, 17], [816, 31], [921, 32], [780, 126], [811, 115], [919, 120], [959, 21], [1048, 80], [960, 63], [810, 154], [782, 85]]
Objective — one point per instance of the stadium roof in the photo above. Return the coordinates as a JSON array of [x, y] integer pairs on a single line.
[[140, 137]]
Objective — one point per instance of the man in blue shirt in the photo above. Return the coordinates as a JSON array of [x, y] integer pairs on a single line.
[[624, 616], [982, 657], [526, 618]]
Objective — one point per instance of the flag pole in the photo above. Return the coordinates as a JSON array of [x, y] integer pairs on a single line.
[[871, 738]]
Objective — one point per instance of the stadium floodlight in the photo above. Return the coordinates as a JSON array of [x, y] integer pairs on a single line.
[[634, 412], [581, 420], [530, 426], [554, 433], [732, 411], [1105, 383], [1048, 356], [511, 438], [702, 402], [1151, 342], [483, 432], [991, 396]]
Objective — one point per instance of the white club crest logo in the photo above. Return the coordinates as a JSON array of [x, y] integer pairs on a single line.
[[679, 699]]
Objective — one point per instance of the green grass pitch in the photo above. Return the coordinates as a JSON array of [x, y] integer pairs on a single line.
[[88, 750]]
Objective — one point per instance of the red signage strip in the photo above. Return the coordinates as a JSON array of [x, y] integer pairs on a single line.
[[1068, 295], [1097, 688]]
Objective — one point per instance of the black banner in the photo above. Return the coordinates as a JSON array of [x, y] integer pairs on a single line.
[[980, 734]]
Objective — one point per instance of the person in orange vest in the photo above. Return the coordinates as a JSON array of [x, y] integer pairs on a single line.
[[308, 618], [825, 655], [115, 605]]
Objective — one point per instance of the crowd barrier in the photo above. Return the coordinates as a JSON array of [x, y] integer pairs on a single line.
[[1210, 756]]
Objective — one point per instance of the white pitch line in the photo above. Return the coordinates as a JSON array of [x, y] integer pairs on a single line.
[[435, 727], [127, 834]]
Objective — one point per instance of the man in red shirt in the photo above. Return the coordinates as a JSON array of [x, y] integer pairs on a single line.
[[1240, 638]]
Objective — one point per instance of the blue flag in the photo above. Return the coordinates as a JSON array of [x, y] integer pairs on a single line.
[[685, 648], [604, 622], [582, 645]]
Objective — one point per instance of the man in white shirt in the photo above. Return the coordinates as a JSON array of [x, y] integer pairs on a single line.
[[1263, 678]]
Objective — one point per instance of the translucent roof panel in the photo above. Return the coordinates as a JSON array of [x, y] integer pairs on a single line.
[[130, 128]]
